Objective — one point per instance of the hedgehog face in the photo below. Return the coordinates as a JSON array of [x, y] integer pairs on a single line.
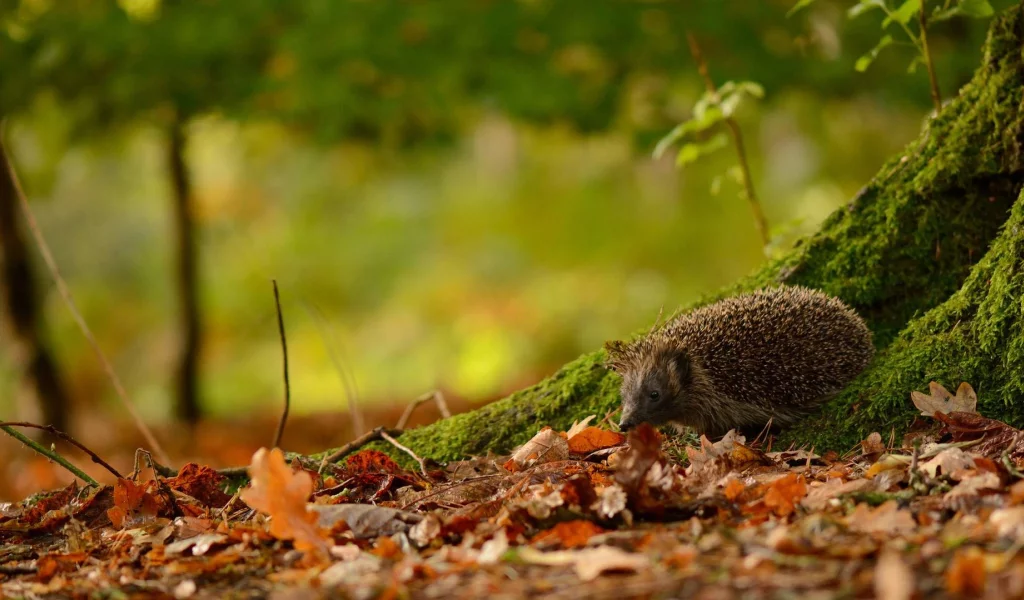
[[654, 390]]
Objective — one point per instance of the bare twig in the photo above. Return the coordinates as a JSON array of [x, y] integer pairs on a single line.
[[65, 293], [345, 375], [436, 396], [359, 442], [284, 354], [67, 438], [50, 454], [737, 140], [396, 444], [922, 20]]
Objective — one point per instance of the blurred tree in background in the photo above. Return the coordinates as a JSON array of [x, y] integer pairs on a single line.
[[461, 189]]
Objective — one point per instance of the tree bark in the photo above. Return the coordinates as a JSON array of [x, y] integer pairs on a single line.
[[22, 303], [187, 405], [930, 253]]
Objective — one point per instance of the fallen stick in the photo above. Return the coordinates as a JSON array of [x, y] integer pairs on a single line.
[[370, 436], [50, 454], [438, 399], [67, 438], [284, 353], [394, 442]]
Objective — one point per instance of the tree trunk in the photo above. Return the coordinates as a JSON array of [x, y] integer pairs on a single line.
[[187, 407], [23, 307], [930, 253]]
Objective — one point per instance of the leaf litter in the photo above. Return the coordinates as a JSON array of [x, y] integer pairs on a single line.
[[569, 514]]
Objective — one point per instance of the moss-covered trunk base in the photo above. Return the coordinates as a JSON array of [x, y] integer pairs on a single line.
[[904, 253]]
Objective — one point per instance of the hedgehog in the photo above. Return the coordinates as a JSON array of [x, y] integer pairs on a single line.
[[766, 357]]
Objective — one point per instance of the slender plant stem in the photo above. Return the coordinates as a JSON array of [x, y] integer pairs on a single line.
[[737, 140], [932, 79], [50, 454], [284, 355], [67, 438], [65, 293]]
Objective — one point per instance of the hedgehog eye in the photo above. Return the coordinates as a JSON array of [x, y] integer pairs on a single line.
[[655, 396]]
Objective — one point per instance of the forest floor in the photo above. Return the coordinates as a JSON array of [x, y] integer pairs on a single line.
[[585, 512]]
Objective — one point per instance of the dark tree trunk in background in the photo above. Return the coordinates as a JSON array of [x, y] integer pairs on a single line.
[[187, 406], [22, 306]]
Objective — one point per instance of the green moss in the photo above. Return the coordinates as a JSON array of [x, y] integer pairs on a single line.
[[898, 253]]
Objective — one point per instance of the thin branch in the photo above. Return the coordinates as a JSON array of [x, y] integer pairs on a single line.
[[396, 444], [922, 19], [50, 454], [67, 438], [359, 442], [65, 293], [438, 399], [287, 386], [737, 141]]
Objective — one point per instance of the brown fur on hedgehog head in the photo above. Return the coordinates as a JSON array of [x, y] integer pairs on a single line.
[[659, 380]]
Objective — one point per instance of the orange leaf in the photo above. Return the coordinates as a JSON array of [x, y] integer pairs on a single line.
[[594, 438], [966, 572], [784, 493], [570, 534], [281, 493], [733, 490]]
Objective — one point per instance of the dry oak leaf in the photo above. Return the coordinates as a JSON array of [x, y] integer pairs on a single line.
[[965, 574], [940, 400], [887, 518], [948, 462], [547, 446], [129, 499], [281, 493], [589, 563], [785, 493], [893, 578], [569, 534], [594, 438]]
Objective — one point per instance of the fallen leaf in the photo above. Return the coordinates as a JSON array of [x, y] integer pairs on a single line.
[[947, 462], [610, 501], [592, 439], [965, 574], [1009, 522], [818, 497], [547, 446], [893, 578], [281, 493], [578, 426], [873, 444], [569, 534], [972, 485], [940, 400], [784, 493], [425, 531], [198, 544], [589, 563], [888, 518], [365, 520]]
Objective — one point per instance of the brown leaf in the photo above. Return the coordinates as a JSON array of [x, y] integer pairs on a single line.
[[282, 494], [547, 446], [965, 574], [939, 400], [569, 534], [888, 518], [998, 436], [784, 493], [893, 578], [594, 438]]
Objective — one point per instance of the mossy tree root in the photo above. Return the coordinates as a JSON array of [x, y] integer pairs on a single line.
[[904, 253]]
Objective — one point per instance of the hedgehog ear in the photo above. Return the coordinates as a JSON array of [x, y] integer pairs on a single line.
[[616, 351], [680, 366]]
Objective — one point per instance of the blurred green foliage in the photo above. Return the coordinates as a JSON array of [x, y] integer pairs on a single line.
[[454, 194]]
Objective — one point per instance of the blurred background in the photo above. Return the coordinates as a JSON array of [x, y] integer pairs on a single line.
[[454, 195]]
